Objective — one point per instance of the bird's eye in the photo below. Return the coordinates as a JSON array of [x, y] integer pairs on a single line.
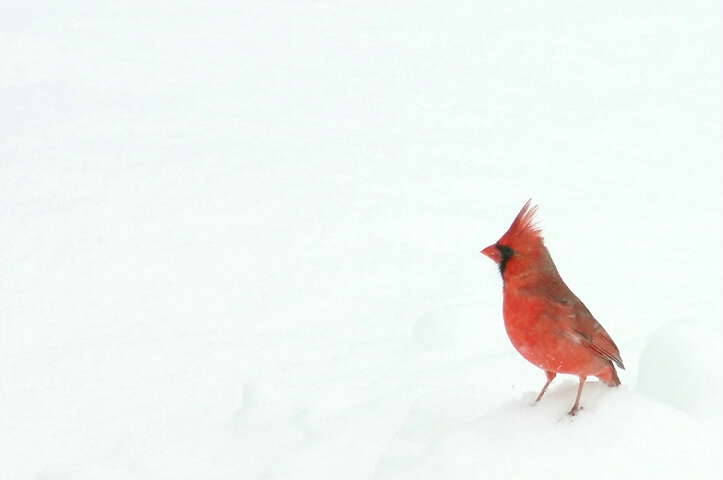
[[507, 252]]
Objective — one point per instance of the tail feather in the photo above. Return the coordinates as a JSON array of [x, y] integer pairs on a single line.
[[615, 379], [609, 376]]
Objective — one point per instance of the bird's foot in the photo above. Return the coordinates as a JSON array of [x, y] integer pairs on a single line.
[[574, 411]]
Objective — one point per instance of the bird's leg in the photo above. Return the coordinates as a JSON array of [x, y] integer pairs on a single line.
[[550, 377], [576, 407]]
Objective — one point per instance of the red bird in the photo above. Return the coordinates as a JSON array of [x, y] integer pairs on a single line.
[[545, 321]]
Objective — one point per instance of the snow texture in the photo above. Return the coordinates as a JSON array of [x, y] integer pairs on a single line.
[[240, 240]]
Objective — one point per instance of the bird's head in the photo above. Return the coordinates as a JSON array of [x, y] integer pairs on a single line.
[[521, 246]]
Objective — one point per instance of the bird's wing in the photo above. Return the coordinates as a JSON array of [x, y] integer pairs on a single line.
[[585, 328]]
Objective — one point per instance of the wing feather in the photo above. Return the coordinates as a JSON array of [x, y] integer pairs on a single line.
[[590, 333]]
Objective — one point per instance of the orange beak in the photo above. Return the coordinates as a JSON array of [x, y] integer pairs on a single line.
[[493, 253]]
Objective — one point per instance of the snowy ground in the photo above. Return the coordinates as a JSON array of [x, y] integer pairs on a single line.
[[242, 241]]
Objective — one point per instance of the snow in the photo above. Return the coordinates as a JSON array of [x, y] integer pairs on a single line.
[[241, 239]]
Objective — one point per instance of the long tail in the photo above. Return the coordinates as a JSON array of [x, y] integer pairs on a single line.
[[615, 379], [609, 376]]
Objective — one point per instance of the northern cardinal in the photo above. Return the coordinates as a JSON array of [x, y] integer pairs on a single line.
[[545, 321]]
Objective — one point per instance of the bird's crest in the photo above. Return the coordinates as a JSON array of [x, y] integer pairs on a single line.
[[524, 228]]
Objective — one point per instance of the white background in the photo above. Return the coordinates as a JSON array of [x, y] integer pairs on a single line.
[[241, 240]]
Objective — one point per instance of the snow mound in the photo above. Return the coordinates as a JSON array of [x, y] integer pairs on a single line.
[[681, 366], [609, 438]]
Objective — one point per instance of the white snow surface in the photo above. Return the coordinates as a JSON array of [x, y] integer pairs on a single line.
[[240, 240]]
